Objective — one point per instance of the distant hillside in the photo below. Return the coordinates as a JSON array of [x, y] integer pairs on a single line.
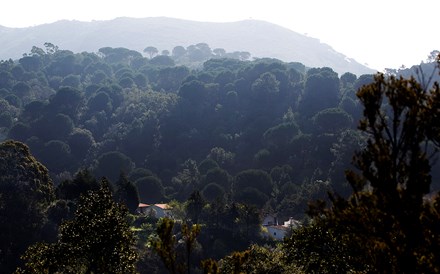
[[261, 39]]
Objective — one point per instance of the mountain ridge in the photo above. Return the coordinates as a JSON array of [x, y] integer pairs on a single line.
[[260, 38]]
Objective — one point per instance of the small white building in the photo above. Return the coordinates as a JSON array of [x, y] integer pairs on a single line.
[[276, 231]]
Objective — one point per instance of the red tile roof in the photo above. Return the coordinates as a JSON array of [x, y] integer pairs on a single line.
[[162, 206]]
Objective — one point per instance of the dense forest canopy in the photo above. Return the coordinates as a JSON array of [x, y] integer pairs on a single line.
[[223, 140], [116, 110]]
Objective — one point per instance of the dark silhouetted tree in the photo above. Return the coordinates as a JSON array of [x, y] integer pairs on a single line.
[[383, 223], [97, 240], [26, 191]]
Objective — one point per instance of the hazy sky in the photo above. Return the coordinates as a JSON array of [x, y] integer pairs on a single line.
[[380, 33]]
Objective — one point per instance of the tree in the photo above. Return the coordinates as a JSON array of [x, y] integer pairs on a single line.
[[6, 79], [264, 90], [56, 155], [213, 192], [332, 120], [221, 156], [119, 55], [151, 51], [127, 193], [80, 141], [111, 164], [190, 174], [219, 52], [348, 78], [280, 135], [140, 80], [31, 63], [195, 92], [219, 176], [80, 185], [162, 60], [21, 89], [249, 217], [194, 206], [97, 240], [207, 165], [126, 82], [321, 91], [71, 81], [56, 127], [318, 249], [178, 52], [150, 189], [253, 178], [20, 132], [100, 102], [67, 101], [384, 221], [26, 190], [258, 260], [165, 245]]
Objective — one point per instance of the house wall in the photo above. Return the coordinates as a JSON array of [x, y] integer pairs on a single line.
[[276, 232]]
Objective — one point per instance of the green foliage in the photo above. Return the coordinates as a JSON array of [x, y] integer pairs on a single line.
[[53, 127], [56, 155], [80, 142], [127, 193], [280, 135], [221, 156], [257, 259], [219, 176], [80, 185], [318, 249], [321, 91], [100, 102], [18, 167], [194, 206], [332, 120], [213, 130], [150, 189], [348, 78], [382, 227], [162, 60], [97, 240], [119, 55], [254, 178], [207, 165], [25, 192], [213, 191], [67, 101], [111, 164], [165, 245]]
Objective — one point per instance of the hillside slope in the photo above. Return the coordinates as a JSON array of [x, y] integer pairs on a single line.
[[261, 39]]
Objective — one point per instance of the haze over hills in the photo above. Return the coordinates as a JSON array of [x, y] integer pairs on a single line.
[[260, 38]]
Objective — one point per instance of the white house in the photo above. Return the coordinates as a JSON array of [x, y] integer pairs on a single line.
[[276, 231]]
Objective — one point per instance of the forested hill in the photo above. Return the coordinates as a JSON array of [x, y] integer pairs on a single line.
[[224, 147], [261, 39]]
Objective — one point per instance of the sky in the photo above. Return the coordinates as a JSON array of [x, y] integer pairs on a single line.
[[378, 33]]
